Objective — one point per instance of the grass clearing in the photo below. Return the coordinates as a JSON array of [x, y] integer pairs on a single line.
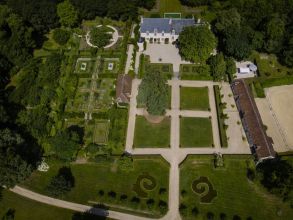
[[151, 135], [97, 132], [194, 98], [196, 132], [28, 209], [168, 6], [107, 176], [236, 195]]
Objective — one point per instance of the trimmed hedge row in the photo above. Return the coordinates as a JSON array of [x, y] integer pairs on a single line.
[[222, 130]]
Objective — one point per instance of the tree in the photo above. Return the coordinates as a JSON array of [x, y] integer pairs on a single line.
[[61, 36], [65, 144], [275, 29], [100, 37], [236, 44], [89, 9], [196, 43], [153, 92], [13, 168], [42, 14], [218, 67], [287, 53], [227, 19], [67, 14], [9, 215], [277, 176], [230, 68], [61, 183]]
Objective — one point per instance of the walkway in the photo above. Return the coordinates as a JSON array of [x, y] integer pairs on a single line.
[[174, 155]]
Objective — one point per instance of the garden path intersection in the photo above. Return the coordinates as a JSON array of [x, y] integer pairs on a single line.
[[174, 155]]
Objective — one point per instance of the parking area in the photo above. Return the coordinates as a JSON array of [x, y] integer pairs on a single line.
[[165, 53]]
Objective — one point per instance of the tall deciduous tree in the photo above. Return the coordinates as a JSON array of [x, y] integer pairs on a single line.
[[153, 92], [227, 19], [67, 14], [218, 67], [196, 43]]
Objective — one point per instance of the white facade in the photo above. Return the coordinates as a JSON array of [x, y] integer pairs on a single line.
[[159, 37]]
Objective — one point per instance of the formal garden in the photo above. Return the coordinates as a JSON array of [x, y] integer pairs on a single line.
[[225, 192], [137, 185], [195, 72], [196, 132], [194, 98], [148, 134]]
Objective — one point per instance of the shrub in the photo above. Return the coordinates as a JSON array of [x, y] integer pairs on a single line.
[[101, 192], [123, 197], [99, 37], [150, 203], [112, 194], [183, 192], [162, 191], [195, 211], [61, 36], [183, 209], [61, 183], [163, 206], [223, 216], [210, 216], [236, 217], [135, 200]]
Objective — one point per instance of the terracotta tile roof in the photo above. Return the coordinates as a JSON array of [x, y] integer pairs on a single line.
[[123, 88], [260, 143]]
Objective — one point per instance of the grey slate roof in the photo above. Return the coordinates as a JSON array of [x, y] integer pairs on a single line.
[[163, 24]]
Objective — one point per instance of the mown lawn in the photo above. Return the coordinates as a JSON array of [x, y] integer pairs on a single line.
[[170, 6], [194, 98], [151, 135], [196, 132], [26, 209], [235, 194], [107, 176]]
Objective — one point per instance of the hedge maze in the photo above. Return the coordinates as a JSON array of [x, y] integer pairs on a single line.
[[204, 188], [144, 182]]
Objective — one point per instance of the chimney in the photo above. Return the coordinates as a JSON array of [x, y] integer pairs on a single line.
[[141, 19], [198, 20], [170, 21]]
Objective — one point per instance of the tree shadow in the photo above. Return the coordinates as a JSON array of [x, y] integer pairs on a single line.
[[78, 130], [67, 174]]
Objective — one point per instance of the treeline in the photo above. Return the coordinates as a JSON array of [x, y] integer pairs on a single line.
[[246, 25]]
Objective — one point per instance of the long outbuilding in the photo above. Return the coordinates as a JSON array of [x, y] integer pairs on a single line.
[[260, 144]]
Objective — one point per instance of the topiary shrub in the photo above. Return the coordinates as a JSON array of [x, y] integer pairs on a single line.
[[195, 211], [223, 216], [61, 36], [150, 203]]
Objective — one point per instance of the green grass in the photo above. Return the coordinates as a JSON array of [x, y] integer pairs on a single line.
[[196, 132], [195, 72], [268, 66], [170, 6], [108, 176], [28, 209], [221, 120], [194, 98], [151, 135], [235, 194]]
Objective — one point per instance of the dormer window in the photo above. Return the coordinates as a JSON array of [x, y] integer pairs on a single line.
[[155, 31], [148, 33], [173, 32], [163, 33]]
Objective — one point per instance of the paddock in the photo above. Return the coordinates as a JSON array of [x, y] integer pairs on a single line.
[[276, 112]]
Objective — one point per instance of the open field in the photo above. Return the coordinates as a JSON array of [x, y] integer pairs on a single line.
[[151, 135], [196, 132], [194, 98], [235, 194], [94, 182], [278, 116], [28, 209]]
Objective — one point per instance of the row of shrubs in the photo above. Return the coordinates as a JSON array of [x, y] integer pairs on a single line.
[[151, 203], [221, 117]]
